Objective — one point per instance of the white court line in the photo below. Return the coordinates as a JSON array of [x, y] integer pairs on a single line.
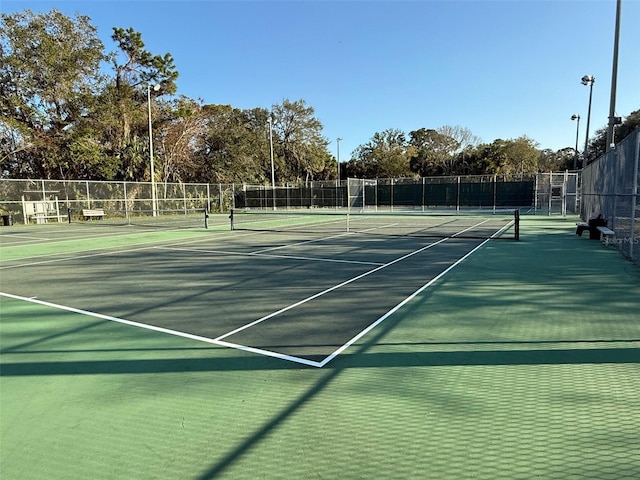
[[323, 292], [20, 236], [258, 254], [103, 251], [72, 256], [161, 329], [74, 239], [344, 234], [379, 320], [269, 353], [219, 340], [410, 297], [315, 240], [398, 306]]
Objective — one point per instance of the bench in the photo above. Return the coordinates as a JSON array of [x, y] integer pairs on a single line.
[[592, 226], [606, 233], [90, 213]]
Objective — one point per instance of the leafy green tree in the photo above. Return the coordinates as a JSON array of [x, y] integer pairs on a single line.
[[298, 142], [87, 158], [560, 160], [61, 117], [234, 147], [598, 144], [505, 157], [435, 152], [136, 69], [49, 70], [139, 66], [183, 122], [522, 156], [386, 155]]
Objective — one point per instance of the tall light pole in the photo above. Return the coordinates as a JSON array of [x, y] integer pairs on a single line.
[[587, 80], [338, 196], [153, 177], [273, 172], [575, 116], [614, 82], [338, 140]]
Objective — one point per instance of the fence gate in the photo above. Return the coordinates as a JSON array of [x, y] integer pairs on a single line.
[[357, 191], [557, 193]]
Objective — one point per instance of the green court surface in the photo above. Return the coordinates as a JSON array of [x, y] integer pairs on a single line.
[[193, 354]]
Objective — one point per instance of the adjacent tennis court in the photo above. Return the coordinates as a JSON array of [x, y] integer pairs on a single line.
[[137, 352]]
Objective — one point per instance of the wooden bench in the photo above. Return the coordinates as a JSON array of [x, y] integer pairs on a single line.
[[90, 213], [606, 233]]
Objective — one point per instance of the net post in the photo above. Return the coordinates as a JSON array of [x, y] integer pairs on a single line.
[[206, 218], [516, 215], [231, 219]]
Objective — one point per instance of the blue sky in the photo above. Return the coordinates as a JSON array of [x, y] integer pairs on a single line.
[[501, 69]]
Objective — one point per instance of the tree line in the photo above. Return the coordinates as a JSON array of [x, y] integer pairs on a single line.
[[63, 117]]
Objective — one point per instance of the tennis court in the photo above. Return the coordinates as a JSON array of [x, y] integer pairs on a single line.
[[133, 352], [280, 287]]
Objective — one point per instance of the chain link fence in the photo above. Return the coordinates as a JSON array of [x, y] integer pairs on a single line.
[[610, 187], [539, 193], [41, 201]]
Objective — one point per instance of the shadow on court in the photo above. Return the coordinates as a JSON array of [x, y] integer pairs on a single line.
[[577, 356]]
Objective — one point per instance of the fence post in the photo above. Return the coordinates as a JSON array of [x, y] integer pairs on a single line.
[[126, 201], [564, 193], [550, 193], [392, 194], [495, 192]]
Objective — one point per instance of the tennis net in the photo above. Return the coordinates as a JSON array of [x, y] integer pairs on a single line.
[[170, 219], [498, 224]]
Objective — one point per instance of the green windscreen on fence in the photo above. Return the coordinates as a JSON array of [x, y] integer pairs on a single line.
[[452, 194], [490, 194]]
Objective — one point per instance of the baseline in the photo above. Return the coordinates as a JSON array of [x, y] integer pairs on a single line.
[[154, 328]]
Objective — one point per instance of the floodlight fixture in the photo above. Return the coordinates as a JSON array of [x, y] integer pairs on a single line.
[[588, 80]]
